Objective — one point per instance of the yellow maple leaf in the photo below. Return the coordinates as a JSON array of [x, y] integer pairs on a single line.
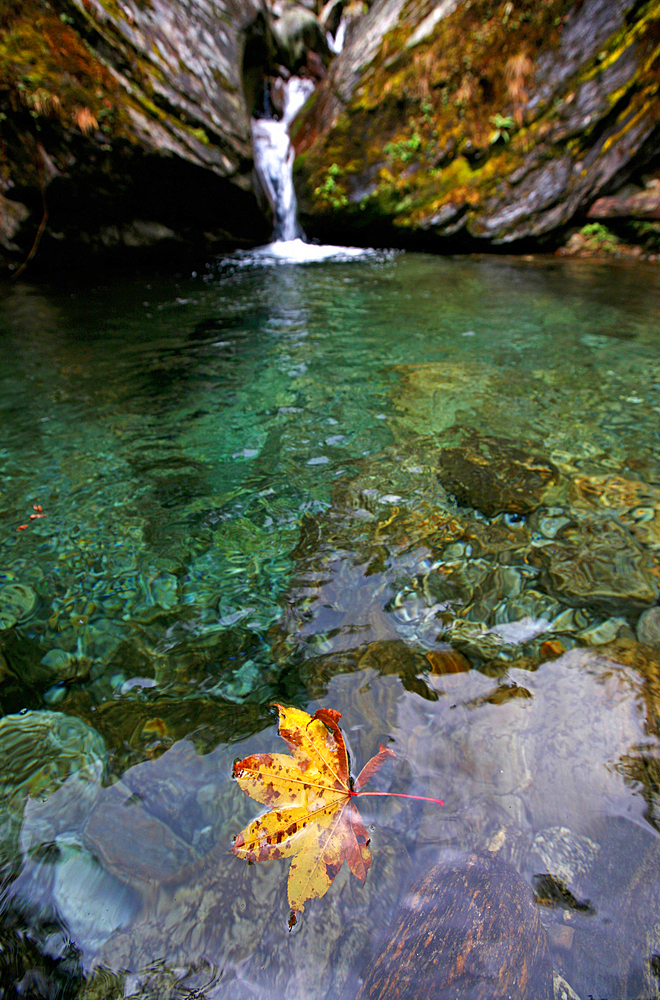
[[310, 795]]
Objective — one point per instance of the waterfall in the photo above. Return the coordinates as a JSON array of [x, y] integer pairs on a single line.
[[273, 159], [336, 44]]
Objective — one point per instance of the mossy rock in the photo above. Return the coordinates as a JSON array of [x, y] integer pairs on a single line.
[[479, 122]]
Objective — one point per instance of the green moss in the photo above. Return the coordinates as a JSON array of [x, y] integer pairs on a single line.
[[598, 238], [405, 149], [200, 134], [330, 193], [447, 120], [47, 70]]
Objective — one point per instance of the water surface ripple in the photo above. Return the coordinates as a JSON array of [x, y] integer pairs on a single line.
[[422, 491]]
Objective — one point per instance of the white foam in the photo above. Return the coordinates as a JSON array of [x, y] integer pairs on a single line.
[[299, 252]]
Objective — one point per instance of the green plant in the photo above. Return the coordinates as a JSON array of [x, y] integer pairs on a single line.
[[646, 232], [405, 149], [502, 125], [427, 112], [598, 236], [329, 191]]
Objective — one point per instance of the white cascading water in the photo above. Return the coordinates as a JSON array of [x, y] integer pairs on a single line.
[[273, 159], [336, 44]]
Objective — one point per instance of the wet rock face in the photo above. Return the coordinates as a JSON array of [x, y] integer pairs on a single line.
[[473, 121], [185, 58], [495, 476], [468, 930], [132, 120]]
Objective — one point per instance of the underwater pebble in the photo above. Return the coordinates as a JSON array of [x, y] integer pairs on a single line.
[[17, 602], [58, 659], [92, 902], [164, 589], [564, 853], [648, 626], [602, 632], [550, 524], [137, 682], [234, 617], [54, 695], [521, 631]]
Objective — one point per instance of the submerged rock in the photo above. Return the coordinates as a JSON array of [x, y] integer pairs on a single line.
[[494, 475], [468, 930], [90, 902], [38, 752], [595, 563], [17, 602], [132, 844], [648, 626]]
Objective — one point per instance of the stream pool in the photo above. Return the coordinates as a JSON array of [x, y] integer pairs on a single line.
[[422, 491]]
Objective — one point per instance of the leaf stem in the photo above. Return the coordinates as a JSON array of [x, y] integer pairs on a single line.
[[402, 795]]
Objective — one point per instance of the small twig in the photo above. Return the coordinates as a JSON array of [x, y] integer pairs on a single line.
[[44, 218]]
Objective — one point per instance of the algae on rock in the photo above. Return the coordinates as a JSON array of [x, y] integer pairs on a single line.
[[486, 122]]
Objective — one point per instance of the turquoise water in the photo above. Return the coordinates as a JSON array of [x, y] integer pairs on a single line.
[[238, 472]]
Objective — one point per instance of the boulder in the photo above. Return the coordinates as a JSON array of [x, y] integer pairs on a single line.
[[297, 31], [130, 115], [486, 124], [639, 205], [494, 475]]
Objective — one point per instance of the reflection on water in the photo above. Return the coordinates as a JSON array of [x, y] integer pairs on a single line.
[[424, 492]]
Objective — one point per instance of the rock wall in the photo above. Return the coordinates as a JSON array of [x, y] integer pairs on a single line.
[[128, 124], [449, 124], [472, 122]]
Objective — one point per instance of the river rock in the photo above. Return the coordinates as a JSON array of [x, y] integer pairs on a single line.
[[12, 215], [494, 475], [297, 31], [17, 602], [595, 563], [639, 205], [90, 903], [634, 503], [132, 844], [468, 929], [38, 752], [648, 626], [139, 110]]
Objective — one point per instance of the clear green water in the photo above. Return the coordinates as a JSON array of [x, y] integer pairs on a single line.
[[238, 472]]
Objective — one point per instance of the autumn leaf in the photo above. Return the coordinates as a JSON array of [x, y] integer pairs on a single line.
[[312, 816]]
